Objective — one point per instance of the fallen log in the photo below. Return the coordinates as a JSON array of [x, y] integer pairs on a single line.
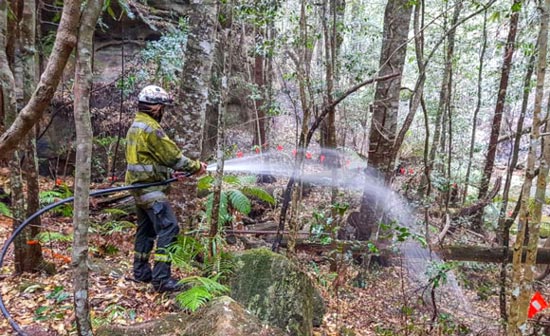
[[446, 252], [485, 254]]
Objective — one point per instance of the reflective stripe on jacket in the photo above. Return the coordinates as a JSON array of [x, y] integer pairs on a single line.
[[151, 156]]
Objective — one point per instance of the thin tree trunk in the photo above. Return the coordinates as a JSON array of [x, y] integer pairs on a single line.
[[445, 92], [503, 223], [84, 137], [499, 108], [64, 43], [522, 286], [448, 103], [224, 87], [478, 107], [26, 77]]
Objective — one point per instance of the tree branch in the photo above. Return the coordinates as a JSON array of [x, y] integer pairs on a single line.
[[65, 41], [326, 109]]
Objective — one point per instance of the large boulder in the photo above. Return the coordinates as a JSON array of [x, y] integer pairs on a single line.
[[221, 317], [273, 288]]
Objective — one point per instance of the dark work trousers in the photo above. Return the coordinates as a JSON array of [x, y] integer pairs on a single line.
[[157, 222]]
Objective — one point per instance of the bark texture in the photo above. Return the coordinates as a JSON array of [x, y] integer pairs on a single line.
[[84, 137], [196, 77], [385, 108]]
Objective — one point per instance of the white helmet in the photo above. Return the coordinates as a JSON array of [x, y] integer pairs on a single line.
[[152, 94]]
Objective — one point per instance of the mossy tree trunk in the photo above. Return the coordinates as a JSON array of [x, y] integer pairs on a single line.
[[28, 256]]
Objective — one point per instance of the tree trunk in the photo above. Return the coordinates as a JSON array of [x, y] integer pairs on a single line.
[[195, 81], [224, 93], [28, 258], [448, 103], [442, 118], [478, 107], [26, 77], [259, 104], [64, 43], [84, 137], [497, 119], [523, 273], [385, 108], [505, 221]]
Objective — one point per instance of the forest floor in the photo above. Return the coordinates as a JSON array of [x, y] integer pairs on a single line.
[[392, 300], [416, 294]]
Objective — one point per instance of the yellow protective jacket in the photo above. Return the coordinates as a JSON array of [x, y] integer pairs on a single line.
[[151, 156]]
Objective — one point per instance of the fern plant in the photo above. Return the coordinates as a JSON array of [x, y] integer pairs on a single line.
[[185, 254], [202, 290], [46, 237], [113, 222], [235, 196], [50, 196]]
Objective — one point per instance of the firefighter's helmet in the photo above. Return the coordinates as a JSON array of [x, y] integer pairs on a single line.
[[152, 94]]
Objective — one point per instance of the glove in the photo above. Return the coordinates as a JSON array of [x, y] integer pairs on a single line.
[[202, 169]]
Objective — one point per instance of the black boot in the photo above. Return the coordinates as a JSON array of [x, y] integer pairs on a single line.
[[168, 285], [142, 270]]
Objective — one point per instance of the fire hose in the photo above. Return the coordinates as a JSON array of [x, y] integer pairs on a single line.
[[29, 220]]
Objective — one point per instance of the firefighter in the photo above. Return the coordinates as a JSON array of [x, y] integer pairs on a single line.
[[152, 156]]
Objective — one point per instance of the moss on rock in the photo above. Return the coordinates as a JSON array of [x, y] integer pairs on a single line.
[[273, 288]]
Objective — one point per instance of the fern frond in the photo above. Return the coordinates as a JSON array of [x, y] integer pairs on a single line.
[[258, 193], [231, 179], [184, 251], [211, 285], [223, 263], [203, 290], [114, 212], [239, 201], [194, 298], [52, 236], [49, 196], [247, 180]]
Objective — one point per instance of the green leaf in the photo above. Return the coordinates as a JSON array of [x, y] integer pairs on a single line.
[[239, 201], [231, 179], [259, 193], [5, 210], [205, 183], [516, 7], [111, 12]]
